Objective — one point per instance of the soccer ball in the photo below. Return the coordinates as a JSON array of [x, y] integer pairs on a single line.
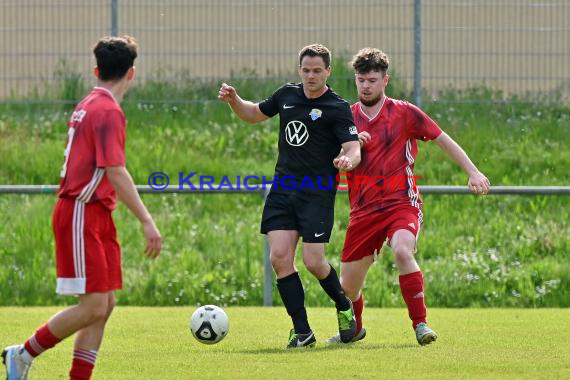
[[209, 324]]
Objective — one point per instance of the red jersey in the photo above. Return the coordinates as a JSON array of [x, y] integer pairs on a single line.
[[388, 158], [96, 140]]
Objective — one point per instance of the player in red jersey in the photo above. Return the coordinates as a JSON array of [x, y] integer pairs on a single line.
[[88, 255], [385, 202]]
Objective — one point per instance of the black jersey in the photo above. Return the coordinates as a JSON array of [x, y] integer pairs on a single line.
[[311, 132]]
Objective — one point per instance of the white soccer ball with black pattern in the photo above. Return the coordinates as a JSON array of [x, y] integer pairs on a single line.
[[209, 324]]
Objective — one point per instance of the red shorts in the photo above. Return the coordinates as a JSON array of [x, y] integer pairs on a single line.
[[366, 235], [88, 255]]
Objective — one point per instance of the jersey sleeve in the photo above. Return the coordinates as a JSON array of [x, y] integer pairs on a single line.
[[344, 127], [420, 125], [270, 106], [109, 137]]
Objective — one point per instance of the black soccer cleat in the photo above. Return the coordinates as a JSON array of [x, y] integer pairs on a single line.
[[301, 340]]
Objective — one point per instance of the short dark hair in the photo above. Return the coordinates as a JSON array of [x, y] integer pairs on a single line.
[[316, 50], [370, 59], [115, 56]]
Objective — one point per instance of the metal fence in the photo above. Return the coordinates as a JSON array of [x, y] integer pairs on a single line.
[[516, 46]]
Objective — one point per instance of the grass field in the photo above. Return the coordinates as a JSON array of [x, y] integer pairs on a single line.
[[155, 343]]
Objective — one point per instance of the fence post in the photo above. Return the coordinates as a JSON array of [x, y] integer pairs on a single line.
[[267, 268], [114, 18], [418, 52]]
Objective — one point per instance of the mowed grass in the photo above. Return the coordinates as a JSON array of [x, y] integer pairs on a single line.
[[155, 343]]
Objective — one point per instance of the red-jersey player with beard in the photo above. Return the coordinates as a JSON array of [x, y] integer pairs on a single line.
[[386, 204]]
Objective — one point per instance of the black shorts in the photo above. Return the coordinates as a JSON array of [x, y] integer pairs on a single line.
[[310, 214]]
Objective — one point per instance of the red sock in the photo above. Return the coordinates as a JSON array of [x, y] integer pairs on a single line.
[[42, 340], [358, 306], [83, 364], [412, 287]]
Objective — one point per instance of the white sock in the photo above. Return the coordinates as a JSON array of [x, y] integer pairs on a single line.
[[26, 355]]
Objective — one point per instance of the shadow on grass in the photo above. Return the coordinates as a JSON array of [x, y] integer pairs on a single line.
[[328, 347]]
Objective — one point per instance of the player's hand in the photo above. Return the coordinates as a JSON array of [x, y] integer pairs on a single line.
[[479, 184], [227, 93], [364, 138], [343, 163], [153, 240]]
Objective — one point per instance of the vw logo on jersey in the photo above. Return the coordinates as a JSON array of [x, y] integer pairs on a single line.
[[296, 133], [315, 114]]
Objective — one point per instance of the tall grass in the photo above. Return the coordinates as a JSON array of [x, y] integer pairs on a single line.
[[493, 251]]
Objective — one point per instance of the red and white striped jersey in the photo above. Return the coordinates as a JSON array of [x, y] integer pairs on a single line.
[[388, 158], [96, 140]]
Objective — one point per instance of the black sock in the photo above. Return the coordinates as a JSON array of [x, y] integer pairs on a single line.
[[331, 285], [293, 297]]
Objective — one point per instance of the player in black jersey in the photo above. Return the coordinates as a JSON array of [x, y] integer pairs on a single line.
[[315, 123]]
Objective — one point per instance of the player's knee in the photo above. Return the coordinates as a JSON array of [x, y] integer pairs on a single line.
[[312, 266], [95, 312], [99, 311], [350, 286], [403, 253], [280, 257], [315, 264], [110, 306]]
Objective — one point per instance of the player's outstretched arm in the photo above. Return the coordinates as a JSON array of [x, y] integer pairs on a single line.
[[244, 109], [127, 192], [349, 156], [478, 183]]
